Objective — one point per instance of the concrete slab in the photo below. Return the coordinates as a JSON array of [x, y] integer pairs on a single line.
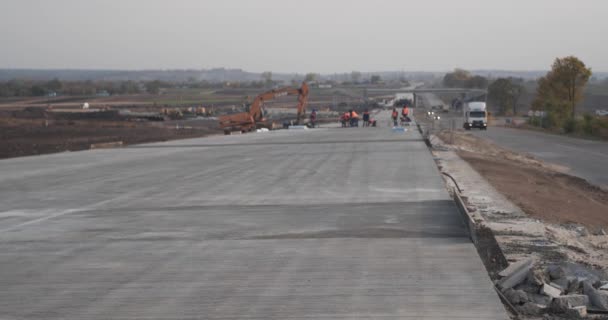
[[326, 224]]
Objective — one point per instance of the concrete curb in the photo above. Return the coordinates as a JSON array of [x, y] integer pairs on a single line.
[[469, 223]]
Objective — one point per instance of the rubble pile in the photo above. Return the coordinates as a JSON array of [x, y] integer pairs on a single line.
[[566, 290]]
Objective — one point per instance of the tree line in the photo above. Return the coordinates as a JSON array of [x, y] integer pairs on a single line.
[[557, 96], [37, 88]]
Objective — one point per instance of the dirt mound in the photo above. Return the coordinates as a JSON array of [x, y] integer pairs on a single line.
[[542, 190]]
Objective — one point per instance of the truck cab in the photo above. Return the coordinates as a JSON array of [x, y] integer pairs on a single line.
[[475, 116]]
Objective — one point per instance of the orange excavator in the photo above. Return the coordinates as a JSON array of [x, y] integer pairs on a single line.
[[255, 117]]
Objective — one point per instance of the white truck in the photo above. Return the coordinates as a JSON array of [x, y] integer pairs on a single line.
[[475, 116]]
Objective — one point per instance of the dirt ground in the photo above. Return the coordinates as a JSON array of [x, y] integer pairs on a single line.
[[23, 137], [542, 190]]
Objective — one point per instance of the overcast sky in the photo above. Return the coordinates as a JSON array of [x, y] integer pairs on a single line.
[[302, 35]]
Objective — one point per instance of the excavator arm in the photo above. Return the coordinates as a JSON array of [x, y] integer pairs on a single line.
[[302, 102], [248, 120]]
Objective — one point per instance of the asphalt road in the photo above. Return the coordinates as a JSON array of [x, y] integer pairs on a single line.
[[317, 224], [584, 158]]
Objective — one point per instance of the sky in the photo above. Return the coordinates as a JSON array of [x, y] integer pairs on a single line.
[[324, 36]]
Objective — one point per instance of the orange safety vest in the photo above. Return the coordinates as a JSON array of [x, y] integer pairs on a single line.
[[405, 111], [395, 114], [355, 115]]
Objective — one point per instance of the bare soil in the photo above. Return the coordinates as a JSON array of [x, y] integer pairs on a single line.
[[542, 190], [23, 137]]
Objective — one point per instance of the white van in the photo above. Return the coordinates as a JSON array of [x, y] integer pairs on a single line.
[[475, 116]]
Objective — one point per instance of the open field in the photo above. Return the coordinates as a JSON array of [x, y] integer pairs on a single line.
[[23, 137]]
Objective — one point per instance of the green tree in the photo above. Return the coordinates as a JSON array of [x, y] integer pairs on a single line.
[[54, 85], [476, 82], [561, 89], [375, 79], [153, 87], [38, 90], [457, 78], [505, 93], [570, 75], [267, 78], [310, 77]]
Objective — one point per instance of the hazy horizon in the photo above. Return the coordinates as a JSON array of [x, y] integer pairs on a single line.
[[288, 36]]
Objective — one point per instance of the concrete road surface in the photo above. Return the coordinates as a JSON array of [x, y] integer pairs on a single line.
[[319, 224], [585, 158]]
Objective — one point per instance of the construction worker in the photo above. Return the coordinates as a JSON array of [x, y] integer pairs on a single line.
[[354, 118], [366, 118], [405, 111], [313, 118], [395, 115], [404, 115], [345, 119]]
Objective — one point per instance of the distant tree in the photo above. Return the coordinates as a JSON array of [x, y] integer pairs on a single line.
[[310, 77], [267, 78], [562, 88], [375, 79], [355, 76], [131, 87], [38, 90], [153, 87], [505, 92], [476, 82], [457, 78], [570, 75], [54, 85]]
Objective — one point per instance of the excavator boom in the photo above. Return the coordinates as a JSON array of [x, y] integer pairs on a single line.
[[247, 121]]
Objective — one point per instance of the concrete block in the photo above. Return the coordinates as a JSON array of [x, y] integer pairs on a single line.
[[576, 284], [550, 291], [561, 304], [559, 284], [516, 296], [513, 267], [563, 282], [516, 273], [536, 277], [598, 298], [532, 309], [577, 312], [539, 299], [556, 272]]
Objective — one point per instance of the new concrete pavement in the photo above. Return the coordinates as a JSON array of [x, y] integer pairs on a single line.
[[317, 224]]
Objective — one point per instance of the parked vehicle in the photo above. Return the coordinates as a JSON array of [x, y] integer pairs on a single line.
[[601, 113]]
